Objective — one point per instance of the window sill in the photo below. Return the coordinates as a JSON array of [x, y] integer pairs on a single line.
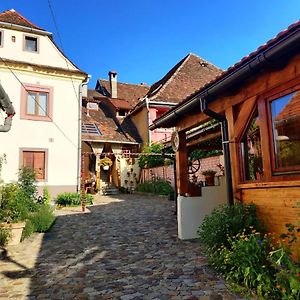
[[36, 118], [268, 184]]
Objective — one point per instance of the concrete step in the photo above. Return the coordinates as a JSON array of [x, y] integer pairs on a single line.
[[110, 190]]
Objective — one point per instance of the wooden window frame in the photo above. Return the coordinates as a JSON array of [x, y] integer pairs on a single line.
[[44, 150], [37, 43], [239, 148], [269, 97], [25, 88]]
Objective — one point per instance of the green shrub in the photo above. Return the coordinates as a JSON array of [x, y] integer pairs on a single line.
[[157, 186], [4, 235], [252, 262], [28, 230], [42, 219], [72, 199], [226, 221], [46, 195]]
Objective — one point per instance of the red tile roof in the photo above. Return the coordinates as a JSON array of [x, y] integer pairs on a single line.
[[107, 125], [13, 17], [127, 91], [95, 96], [190, 74]]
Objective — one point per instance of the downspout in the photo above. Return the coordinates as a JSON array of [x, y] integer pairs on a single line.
[[6, 105], [148, 119], [225, 142], [79, 132]]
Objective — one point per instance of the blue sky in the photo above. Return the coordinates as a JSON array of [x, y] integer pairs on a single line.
[[142, 40]]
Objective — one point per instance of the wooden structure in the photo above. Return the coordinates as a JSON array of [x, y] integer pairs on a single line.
[[257, 102]]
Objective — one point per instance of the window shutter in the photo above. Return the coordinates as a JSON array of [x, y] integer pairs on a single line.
[[39, 165]]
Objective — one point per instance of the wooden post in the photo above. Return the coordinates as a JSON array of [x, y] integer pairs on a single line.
[[182, 166], [82, 183]]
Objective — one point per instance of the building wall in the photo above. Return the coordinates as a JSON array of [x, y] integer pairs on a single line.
[[140, 121], [60, 137], [47, 53]]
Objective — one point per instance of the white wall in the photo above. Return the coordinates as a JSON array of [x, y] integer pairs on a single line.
[[192, 210], [47, 54], [59, 138], [62, 154]]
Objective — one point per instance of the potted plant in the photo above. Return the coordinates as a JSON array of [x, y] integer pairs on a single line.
[[209, 176], [105, 163]]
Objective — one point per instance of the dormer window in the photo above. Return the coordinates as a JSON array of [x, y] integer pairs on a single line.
[[31, 44], [122, 113]]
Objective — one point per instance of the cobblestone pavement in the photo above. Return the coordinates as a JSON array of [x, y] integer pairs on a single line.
[[124, 247]]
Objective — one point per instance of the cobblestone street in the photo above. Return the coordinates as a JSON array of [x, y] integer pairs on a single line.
[[124, 247]]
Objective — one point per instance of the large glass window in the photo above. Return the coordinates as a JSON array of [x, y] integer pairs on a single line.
[[285, 113], [250, 146]]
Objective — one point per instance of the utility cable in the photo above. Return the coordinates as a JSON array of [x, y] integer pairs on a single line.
[[56, 125], [61, 46]]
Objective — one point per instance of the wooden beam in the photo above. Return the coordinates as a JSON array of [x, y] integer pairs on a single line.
[[244, 116], [202, 139], [182, 166], [264, 138], [233, 152]]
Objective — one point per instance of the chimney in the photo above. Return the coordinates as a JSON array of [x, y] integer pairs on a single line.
[[113, 84]]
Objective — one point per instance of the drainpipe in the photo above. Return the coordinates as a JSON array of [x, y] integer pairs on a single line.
[[148, 119], [79, 131], [6, 105], [225, 142]]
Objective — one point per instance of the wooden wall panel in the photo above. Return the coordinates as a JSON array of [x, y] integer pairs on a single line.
[[276, 207]]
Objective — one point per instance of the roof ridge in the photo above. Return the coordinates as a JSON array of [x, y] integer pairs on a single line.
[[120, 82], [23, 18], [162, 87]]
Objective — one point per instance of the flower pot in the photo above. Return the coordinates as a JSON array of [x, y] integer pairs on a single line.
[[105, 168], [210, 180], [16, 232]]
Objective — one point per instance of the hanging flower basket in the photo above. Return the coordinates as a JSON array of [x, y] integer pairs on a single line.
[[105, 163]]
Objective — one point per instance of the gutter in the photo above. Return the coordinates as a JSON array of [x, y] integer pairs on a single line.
[[268, 56], [110, 141], [24, 28]]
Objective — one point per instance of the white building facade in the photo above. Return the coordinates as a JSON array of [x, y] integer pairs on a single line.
[[44, 87]]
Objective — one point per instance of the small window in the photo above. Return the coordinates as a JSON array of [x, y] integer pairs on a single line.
[[285, 118], [36, 160], [250, 147], [122, 113], [31, 44], [36, 103]]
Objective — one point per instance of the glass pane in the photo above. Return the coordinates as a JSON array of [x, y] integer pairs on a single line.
[[31, 100], [31, 44], [251, 151], [43, 104], [286, 130]]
